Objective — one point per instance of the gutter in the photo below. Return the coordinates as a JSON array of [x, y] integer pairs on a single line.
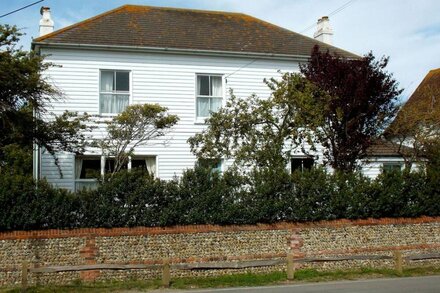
[[38, 45]]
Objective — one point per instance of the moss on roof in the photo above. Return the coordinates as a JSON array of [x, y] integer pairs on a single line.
[[147, 26]]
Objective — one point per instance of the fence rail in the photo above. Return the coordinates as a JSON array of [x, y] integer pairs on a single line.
[[166, 266]]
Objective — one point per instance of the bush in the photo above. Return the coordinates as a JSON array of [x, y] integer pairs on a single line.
[[203, 197], [25, 207]]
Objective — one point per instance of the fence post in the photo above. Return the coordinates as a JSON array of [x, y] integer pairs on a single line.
[[398, 261], [24, 276], [290, 267], [166, 274]]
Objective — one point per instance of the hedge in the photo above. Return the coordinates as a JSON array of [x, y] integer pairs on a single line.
[[201, 197]]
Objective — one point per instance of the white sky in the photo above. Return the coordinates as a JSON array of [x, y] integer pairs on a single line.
[[406, 30]]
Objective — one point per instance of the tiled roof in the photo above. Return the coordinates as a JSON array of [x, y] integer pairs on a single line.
[[424, 102], [427, 94], [159, 27], [382, 148]]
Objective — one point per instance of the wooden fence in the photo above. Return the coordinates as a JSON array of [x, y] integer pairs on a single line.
[[166, 266]]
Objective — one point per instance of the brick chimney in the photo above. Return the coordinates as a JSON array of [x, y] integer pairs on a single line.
[[324, 32], [46, 22]]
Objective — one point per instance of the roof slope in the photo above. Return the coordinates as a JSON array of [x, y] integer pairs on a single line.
[[382, 148], [146, 26], [424, 103]]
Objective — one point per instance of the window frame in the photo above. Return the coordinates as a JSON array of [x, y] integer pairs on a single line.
[[220, 162], [140, 157], [391, 166], [129, 93], [92, 181], [201, 119], [103, 161], [302, 158]]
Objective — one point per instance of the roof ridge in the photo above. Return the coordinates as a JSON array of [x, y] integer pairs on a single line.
[[87, 20], [296, 33], [184, 9]]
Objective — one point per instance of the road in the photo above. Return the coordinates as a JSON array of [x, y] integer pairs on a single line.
[[395, 285]]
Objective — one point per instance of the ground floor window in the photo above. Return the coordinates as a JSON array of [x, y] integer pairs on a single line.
[[147, 164], [391, 166], [301, 164], [87, 172], [215, 165], [88, 169]]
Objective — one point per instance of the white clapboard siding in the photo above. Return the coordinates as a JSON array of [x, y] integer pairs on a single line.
[[167, 79]]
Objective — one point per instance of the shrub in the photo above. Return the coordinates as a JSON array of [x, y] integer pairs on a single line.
[[202, 197]]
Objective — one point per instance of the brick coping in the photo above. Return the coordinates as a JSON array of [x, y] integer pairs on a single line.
[[136, 231]]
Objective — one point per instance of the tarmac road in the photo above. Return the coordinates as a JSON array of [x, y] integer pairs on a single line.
[[393, 285]]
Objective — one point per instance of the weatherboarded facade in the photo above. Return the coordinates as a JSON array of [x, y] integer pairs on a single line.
[[185, 60]]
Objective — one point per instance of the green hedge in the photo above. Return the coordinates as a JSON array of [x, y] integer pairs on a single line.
[[200, 197]]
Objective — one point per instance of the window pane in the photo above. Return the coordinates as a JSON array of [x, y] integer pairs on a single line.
[[216, 86], [109, 165], [202, 107], [122, 81], [90, 169], [392, 167], [121, 103], [113, 103], [138, 164], [203, 85], [214, 165], [107, 81], [216, 104], [147, 164], [308, 163], [301, 164]]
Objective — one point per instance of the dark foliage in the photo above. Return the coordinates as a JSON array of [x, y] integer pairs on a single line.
[[24, 95], [361, 102], [203, 197]]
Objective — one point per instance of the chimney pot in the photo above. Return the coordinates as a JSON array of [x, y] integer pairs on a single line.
[[324, 32], [46, 22]]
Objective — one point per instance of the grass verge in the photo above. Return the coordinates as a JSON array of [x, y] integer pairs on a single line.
[[238, 280]]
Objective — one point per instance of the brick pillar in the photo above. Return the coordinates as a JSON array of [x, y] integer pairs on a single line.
[[295, 243], [89, 252]]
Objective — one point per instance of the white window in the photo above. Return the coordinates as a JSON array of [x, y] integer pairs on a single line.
[[301, 164], [88, 169], [147, 164], [214, 165], [87, 172], [392, 167], [209, 94], [114, 93]]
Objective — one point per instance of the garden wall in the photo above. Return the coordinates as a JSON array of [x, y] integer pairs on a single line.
[[205, 243]]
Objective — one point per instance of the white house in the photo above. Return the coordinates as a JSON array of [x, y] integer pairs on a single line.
[[186, 60]]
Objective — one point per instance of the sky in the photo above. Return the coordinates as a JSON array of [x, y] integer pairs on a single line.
[[408, 31]]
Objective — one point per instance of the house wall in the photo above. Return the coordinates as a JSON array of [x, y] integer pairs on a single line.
[[167, 79], [372, 167], [205, 243]]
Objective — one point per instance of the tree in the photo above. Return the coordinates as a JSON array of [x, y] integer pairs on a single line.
[[360, 102], [416, 130], [24, 95], [261, 132], [136, 125]]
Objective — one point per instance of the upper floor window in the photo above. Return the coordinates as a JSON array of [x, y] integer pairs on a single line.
[[209, 94], [114, 94]]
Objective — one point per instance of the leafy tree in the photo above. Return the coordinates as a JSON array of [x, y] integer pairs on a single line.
[[360, 103], [416, 129], [261, 132], [24, 94], [136, 125]]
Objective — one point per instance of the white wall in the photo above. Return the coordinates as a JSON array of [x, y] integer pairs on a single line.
[[155, 78]]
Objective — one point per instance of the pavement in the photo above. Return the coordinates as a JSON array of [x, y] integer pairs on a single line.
[[425, 284]]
